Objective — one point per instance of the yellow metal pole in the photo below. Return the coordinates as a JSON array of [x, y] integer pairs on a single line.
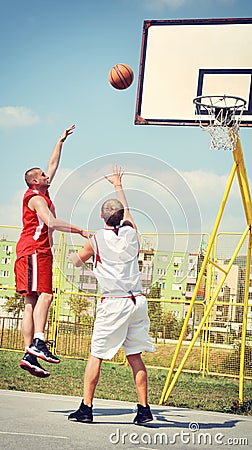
[[244, 321], [206, 333], [174, 380], [243, 181], [201, 273], [246, 198], [59, 270]]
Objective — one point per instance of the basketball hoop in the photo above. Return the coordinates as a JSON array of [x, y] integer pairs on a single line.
[[220, 115]]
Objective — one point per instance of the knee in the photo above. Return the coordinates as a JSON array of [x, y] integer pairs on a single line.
[[49, 298], [135, 359], [46, 298]]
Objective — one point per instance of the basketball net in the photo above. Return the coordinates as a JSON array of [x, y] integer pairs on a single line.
[[221, 117]]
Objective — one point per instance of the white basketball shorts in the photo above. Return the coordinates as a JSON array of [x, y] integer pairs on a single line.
[[121, 323]]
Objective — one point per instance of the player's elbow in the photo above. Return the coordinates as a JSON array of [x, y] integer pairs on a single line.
[[52, 223], [77, 261]]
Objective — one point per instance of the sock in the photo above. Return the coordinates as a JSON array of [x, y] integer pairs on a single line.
[[40, 336]]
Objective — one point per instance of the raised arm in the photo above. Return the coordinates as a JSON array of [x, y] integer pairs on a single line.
[[56, 153], [116, 179]]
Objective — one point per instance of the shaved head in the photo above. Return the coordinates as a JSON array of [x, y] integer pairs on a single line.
[[112, 212], [31, 174]]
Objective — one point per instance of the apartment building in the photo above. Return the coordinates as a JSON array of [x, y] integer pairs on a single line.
[[7, 279], [173, 273]]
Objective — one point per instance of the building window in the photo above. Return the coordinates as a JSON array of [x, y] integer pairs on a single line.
[[176, 314], [70, 278], [163, 258], [160, 271], [190, 287], [7, 249], [178, 260], [5, 273], [5, 261], [178, 273], [192, 260], [176, 287]]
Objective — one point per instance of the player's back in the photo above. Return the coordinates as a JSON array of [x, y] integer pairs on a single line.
[[116, 260]]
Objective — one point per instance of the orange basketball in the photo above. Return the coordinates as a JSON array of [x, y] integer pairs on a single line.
[[121, 76]]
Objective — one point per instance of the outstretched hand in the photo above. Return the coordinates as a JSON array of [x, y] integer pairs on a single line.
[[116, 177], [86, 234], [66, 133]]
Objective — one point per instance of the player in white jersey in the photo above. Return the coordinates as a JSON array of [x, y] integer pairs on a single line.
[[122, 311]]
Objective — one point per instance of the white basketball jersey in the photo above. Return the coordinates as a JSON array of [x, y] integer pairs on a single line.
[[116, 260]]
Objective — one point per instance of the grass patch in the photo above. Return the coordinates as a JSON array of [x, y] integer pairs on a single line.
[[116, 383]]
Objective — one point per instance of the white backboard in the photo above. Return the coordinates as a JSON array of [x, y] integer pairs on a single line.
[[183, 59]]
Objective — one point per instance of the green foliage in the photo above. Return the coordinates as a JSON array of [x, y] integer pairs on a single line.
[[79, 305], [165, 323], [14, 305], [232, 361], [154, 310], [169, 323]]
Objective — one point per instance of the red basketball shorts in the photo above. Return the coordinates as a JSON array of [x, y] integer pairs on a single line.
[[34, 274]]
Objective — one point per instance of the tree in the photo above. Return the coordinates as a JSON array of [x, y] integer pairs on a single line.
[[172, 326], [14, 305], [80, 306], [168, 322], [154, 310]]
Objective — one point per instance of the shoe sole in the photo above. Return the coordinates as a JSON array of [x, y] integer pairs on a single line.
[[34, 372], [41, 356], [143, 421], [81, 421]]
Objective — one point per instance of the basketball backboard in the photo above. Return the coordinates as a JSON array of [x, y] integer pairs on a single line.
[[184, 59]]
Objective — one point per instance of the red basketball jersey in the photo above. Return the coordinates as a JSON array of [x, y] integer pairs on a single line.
[[35, 235]]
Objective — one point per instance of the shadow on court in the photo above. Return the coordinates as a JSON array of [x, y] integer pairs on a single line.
[[33, 420]]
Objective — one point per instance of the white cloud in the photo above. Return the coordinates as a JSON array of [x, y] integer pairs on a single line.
[[17, 116], [10, 215], [169, 207], [209, 190], [163, 197]]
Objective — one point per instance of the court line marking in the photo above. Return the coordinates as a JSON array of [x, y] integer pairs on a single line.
[[34, 435]]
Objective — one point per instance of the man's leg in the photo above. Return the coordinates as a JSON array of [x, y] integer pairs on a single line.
[[141, 381], [41, 312], [27, 322], [140, 377], [38, 347], [91, 377], [29, 362]]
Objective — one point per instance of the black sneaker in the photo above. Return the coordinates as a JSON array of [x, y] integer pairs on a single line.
[[39, 349], [143, 415], [83, 414], [30, 363]]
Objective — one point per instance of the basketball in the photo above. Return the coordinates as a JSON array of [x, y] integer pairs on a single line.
[[121, 76]]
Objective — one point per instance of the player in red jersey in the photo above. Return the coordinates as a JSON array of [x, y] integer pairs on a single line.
[[33, 266]]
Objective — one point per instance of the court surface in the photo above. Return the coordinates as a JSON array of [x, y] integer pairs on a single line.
[[39, 421]]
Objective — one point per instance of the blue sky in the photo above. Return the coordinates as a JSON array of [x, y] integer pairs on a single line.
[[56, 56]]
